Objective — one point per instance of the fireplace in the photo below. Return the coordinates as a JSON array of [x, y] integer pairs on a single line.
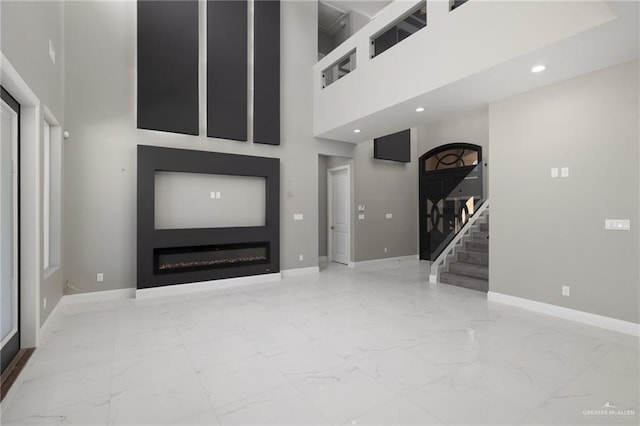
[[179, 259], [204, 216]]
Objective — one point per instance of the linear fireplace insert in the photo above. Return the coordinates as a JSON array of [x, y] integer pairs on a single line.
[[179, 259], [240, 236]]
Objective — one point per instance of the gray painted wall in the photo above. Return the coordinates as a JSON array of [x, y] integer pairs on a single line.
[[25, 30], [100, 202], [385, 187], [547, 232], [198, 200], [469, 126]]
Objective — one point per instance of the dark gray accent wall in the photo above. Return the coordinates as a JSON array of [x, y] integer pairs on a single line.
[[168, 66], [266, 103], [152, 159], [394, 147], [227, 69]]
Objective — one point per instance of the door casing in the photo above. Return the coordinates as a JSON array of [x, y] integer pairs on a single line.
[[330, 174]]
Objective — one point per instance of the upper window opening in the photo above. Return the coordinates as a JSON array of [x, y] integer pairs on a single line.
[[453, 4], [339, 69], [400, 30]]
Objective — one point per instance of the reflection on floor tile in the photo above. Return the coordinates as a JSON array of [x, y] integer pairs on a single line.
[[376, 345]]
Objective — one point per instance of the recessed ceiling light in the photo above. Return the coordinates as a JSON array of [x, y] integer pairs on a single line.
[[356, 131], [419, 109], [538, 68]]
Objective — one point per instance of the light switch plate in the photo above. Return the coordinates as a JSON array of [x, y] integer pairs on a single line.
[[564, 172], [554, 172], [388, 215], [298, 216], [361, 216], [566, 290], [617, 224], [213, 195], [218, 196], [99, 277]]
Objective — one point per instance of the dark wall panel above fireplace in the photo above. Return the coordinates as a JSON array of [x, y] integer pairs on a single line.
[[227, 69], [152, 243], [168, 66], [266, 104]]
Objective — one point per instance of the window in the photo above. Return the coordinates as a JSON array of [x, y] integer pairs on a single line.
[[339, 69], [400, 30], [52, 194], [453, 4]]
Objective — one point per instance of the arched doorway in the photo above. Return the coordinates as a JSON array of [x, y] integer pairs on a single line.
[[450, 192]]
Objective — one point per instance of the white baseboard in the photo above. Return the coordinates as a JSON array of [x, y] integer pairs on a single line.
[[383, 260], [608, 323], [300, 271], [224, 284], [99, 296], [323, 259], [44, 330]]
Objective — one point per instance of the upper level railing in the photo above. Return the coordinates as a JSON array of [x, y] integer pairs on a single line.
[[416, 66], [339, 69], [405, 26]]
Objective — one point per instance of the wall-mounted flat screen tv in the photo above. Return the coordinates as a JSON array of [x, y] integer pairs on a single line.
[[393, 147]]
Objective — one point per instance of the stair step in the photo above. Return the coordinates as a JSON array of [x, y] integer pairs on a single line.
[[469, 270], [466, 282], [472, 257], [484, 227], [481, 246], [480, 235]]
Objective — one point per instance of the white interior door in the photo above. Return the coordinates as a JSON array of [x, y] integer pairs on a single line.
[[9, 331], [339, 232]]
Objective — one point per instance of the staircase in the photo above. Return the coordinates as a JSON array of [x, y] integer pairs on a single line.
[[468, 265]]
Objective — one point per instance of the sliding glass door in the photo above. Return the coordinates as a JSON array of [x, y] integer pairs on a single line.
[[9, 242]]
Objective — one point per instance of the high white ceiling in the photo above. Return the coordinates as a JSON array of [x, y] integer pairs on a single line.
[[368, 8]]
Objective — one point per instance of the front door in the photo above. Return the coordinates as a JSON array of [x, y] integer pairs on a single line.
[[338, 191], [450, 192], [9, 288]]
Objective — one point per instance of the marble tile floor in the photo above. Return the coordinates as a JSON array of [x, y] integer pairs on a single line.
[[377, 345]]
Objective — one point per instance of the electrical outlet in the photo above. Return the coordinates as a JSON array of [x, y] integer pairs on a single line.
[[213, 195], [385, 249], [99, 277], [44, 304], [554, 172], [301, 257], [564, 172], [566, 290]]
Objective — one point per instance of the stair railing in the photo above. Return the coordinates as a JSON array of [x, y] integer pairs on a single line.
[[435, 264]]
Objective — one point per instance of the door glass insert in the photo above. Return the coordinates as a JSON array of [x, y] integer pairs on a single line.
[[450, 192], [9, 332]]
